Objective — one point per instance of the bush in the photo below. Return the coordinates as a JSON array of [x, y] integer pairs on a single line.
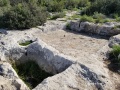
[[23, 16], [104, 6], [4, 3], [55, 6], [99, 15], [58, 15], [70, 4], [75, 16], [68, 26], [86, 18], [83, 3], [114, 57]]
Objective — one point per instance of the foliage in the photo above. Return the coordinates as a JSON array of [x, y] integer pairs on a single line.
[[99, 15], [4, 3], [30, 73], [103, 6], [58, 15], [22, 16], [86, 18], [115, 57], [68, 26], [70, 4], [75, 16], [117, 26]]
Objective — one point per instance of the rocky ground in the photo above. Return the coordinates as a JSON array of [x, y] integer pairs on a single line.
[[77, 60]]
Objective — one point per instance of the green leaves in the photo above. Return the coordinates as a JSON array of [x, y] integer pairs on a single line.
[[104, 6], [115, 52], [4, 3], [23, 16]]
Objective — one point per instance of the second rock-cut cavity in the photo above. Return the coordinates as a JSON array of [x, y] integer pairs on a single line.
[[30, 73]]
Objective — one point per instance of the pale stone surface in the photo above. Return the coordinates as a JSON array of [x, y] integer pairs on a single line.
[[9, 79], [6, 84], [87, 71], [52, 26], [76, 77], [115, 40], [107, 29]]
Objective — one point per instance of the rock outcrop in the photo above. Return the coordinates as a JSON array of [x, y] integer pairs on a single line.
[[69, 73], [107, 29]]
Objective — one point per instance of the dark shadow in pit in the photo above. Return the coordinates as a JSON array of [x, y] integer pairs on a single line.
[[92, 35], [30, 73], [113, 63], [114, 67]]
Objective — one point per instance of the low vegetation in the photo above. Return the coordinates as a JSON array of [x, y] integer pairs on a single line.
[[95, 18], [86, 18], [24, 14], [26, 43], [68, 26], [30, 73], [106, 7], [114, 57], [58, 15]]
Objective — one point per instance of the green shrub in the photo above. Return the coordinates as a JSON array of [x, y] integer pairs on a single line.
[[55, 6], [70, 4], [114, 57], [68, 26], [23, 16], [86, 18], [4, 3], [75, 16], [115, 52], [30, 73], [99, 15], [58, 15], [118, 19], [115, 15], [83, 3], [104, 6], [106, 20]]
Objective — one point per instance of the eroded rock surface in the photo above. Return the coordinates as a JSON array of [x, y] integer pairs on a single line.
[[106, 29], [81, 69], [115, 40], [9, 79]]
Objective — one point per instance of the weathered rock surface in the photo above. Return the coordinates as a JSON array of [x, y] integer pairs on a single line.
[[85, 73], [115, 40], [52, 26], [9, 79], [76, 77], [106, 29]]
